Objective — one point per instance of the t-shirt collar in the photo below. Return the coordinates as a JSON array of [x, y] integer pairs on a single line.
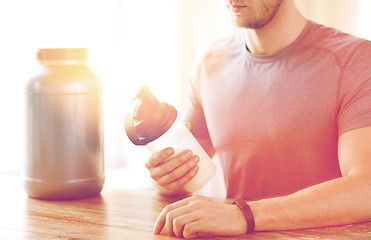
[[279, 54]]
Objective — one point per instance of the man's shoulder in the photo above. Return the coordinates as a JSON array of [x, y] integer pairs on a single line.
[[225, 48], [333, 41], [217, 55]]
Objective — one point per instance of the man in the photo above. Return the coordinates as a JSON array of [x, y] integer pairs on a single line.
[[286, 106]]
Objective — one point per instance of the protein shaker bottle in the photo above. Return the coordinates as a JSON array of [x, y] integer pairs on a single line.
[[157, 125], [64, 127]]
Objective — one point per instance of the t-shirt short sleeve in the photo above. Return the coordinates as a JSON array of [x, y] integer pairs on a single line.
[[192, 112], [355, 90]]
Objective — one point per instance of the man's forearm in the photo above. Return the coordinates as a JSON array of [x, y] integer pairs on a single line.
[[336, 202]]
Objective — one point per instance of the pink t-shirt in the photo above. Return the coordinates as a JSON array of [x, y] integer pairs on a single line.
[[274, 120]]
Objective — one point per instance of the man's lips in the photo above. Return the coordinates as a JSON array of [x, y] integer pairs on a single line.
[[237, 8]]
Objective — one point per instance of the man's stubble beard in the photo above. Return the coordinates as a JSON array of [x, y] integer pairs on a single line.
[[256, 22]]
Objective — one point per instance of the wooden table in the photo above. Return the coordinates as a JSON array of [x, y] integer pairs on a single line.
[[115, 214]]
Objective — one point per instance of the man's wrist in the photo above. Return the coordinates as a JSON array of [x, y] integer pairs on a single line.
[[240, 224], [248, 215]]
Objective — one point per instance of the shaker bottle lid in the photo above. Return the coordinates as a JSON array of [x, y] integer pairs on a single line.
[[62, 54], [147, 117]]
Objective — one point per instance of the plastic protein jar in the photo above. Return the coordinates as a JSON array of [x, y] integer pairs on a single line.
[[64, 127]]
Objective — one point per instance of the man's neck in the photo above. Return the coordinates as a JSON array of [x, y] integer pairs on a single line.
[[280, 32]]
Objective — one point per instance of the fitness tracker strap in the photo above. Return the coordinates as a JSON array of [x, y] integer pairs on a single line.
[[246, 210]]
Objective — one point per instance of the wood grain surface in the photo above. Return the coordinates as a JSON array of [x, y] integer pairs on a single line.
[[116, 214]]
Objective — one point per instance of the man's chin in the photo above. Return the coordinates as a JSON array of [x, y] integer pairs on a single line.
[[249, 24]]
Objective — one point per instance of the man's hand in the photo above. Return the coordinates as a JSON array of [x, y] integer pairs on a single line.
[[196, 216], [173, 172]]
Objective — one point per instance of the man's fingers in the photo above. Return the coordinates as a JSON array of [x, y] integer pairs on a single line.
[[173, 216], [161, 219], [180, 221], [183, 180], [178, 172], [159, 157], [192, 229], [169, 165]]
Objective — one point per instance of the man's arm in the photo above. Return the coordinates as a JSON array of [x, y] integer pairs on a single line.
[[340, 201]]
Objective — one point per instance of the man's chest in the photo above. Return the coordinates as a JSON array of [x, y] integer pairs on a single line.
[[269, 104]]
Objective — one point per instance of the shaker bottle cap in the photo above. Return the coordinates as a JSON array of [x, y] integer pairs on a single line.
[[148, 118]]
